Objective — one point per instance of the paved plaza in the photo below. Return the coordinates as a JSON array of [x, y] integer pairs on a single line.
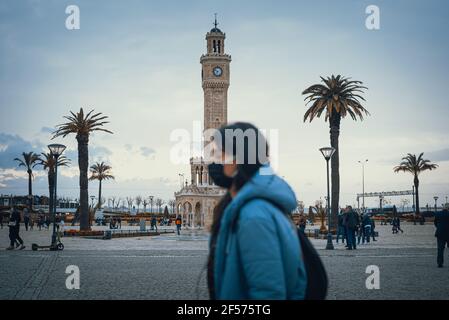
[[172, 267]]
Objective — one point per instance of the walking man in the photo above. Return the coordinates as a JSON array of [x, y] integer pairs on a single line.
[[153, 223], [26, 218], [178, 223], [373, 227], [351, 226], [14, 229], [442, 233], [302, 223], [340, 228]]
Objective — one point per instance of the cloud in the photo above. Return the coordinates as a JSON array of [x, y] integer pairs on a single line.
[[128, 147], [96, 153], [12, 146], [438, 155], [47, 130], [146, 151]]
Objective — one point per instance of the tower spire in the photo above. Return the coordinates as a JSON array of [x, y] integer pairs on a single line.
[[215, 22]]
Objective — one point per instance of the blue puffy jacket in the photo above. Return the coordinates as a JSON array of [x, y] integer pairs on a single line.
[[261, 257]]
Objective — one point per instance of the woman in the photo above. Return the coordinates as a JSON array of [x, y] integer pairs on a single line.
[[254, 246]]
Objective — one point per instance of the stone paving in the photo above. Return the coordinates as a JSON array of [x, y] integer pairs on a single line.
[[173, 267]]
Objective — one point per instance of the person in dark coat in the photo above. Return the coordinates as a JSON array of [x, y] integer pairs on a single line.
[[442, 233], [14, 229], [366, 228], [154, 223], [352, 221], [373, 227], [341, 228]]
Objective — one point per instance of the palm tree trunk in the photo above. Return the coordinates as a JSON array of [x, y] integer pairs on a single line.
[[334, 124], [416, 183], [30, 189], [99, 195], [83, 163]]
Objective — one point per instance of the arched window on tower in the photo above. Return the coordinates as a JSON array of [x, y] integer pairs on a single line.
[[219, 46], [214, 46]]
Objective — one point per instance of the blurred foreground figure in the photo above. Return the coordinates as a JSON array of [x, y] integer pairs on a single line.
[[442, 233]]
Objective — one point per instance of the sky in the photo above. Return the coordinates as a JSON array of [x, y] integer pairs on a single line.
[[138, 63]]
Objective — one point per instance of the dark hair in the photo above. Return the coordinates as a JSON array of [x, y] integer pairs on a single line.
[[245, 172]]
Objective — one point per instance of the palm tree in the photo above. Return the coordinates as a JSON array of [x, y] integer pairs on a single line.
[[82, 125], [338, 97], [415, 165], [48, 162], [29, 161], [100, 171]]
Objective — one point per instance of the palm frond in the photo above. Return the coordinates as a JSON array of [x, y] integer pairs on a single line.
[[338, 95]]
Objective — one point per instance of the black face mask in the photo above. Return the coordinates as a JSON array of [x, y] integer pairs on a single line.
[[216, 172]]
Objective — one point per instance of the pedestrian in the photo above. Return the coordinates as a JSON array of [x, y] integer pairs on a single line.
[[422, 220], [41, 221], [366, 223], [373, 227], [153, 223], [119, 220], [397, 225], [61, 228], [26, 217], [178, 223], [352, 221], [254, 249], [361, 231], [302, 223], [340, 227], [14, 229], [442, 233]]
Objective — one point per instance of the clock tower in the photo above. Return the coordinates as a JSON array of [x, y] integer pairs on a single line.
[[215, 79], [195, 202]]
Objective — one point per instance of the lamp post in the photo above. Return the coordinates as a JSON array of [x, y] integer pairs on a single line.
[[363, 183], [56, 150], [381, 198], [151, 204], [435, 198], [327, 153], [92, 198]]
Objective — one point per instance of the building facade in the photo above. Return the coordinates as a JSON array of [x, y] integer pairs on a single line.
[[196, 201]]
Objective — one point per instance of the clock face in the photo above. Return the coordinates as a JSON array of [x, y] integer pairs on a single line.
[[217, 71]]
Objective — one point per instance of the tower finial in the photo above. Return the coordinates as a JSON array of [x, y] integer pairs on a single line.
[[215, 23]]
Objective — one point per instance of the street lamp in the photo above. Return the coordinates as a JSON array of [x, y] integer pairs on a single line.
[[151, 204], [327, 153], [363, 183], [92, 198], [381, 198], [56, 150], [435, 198]]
